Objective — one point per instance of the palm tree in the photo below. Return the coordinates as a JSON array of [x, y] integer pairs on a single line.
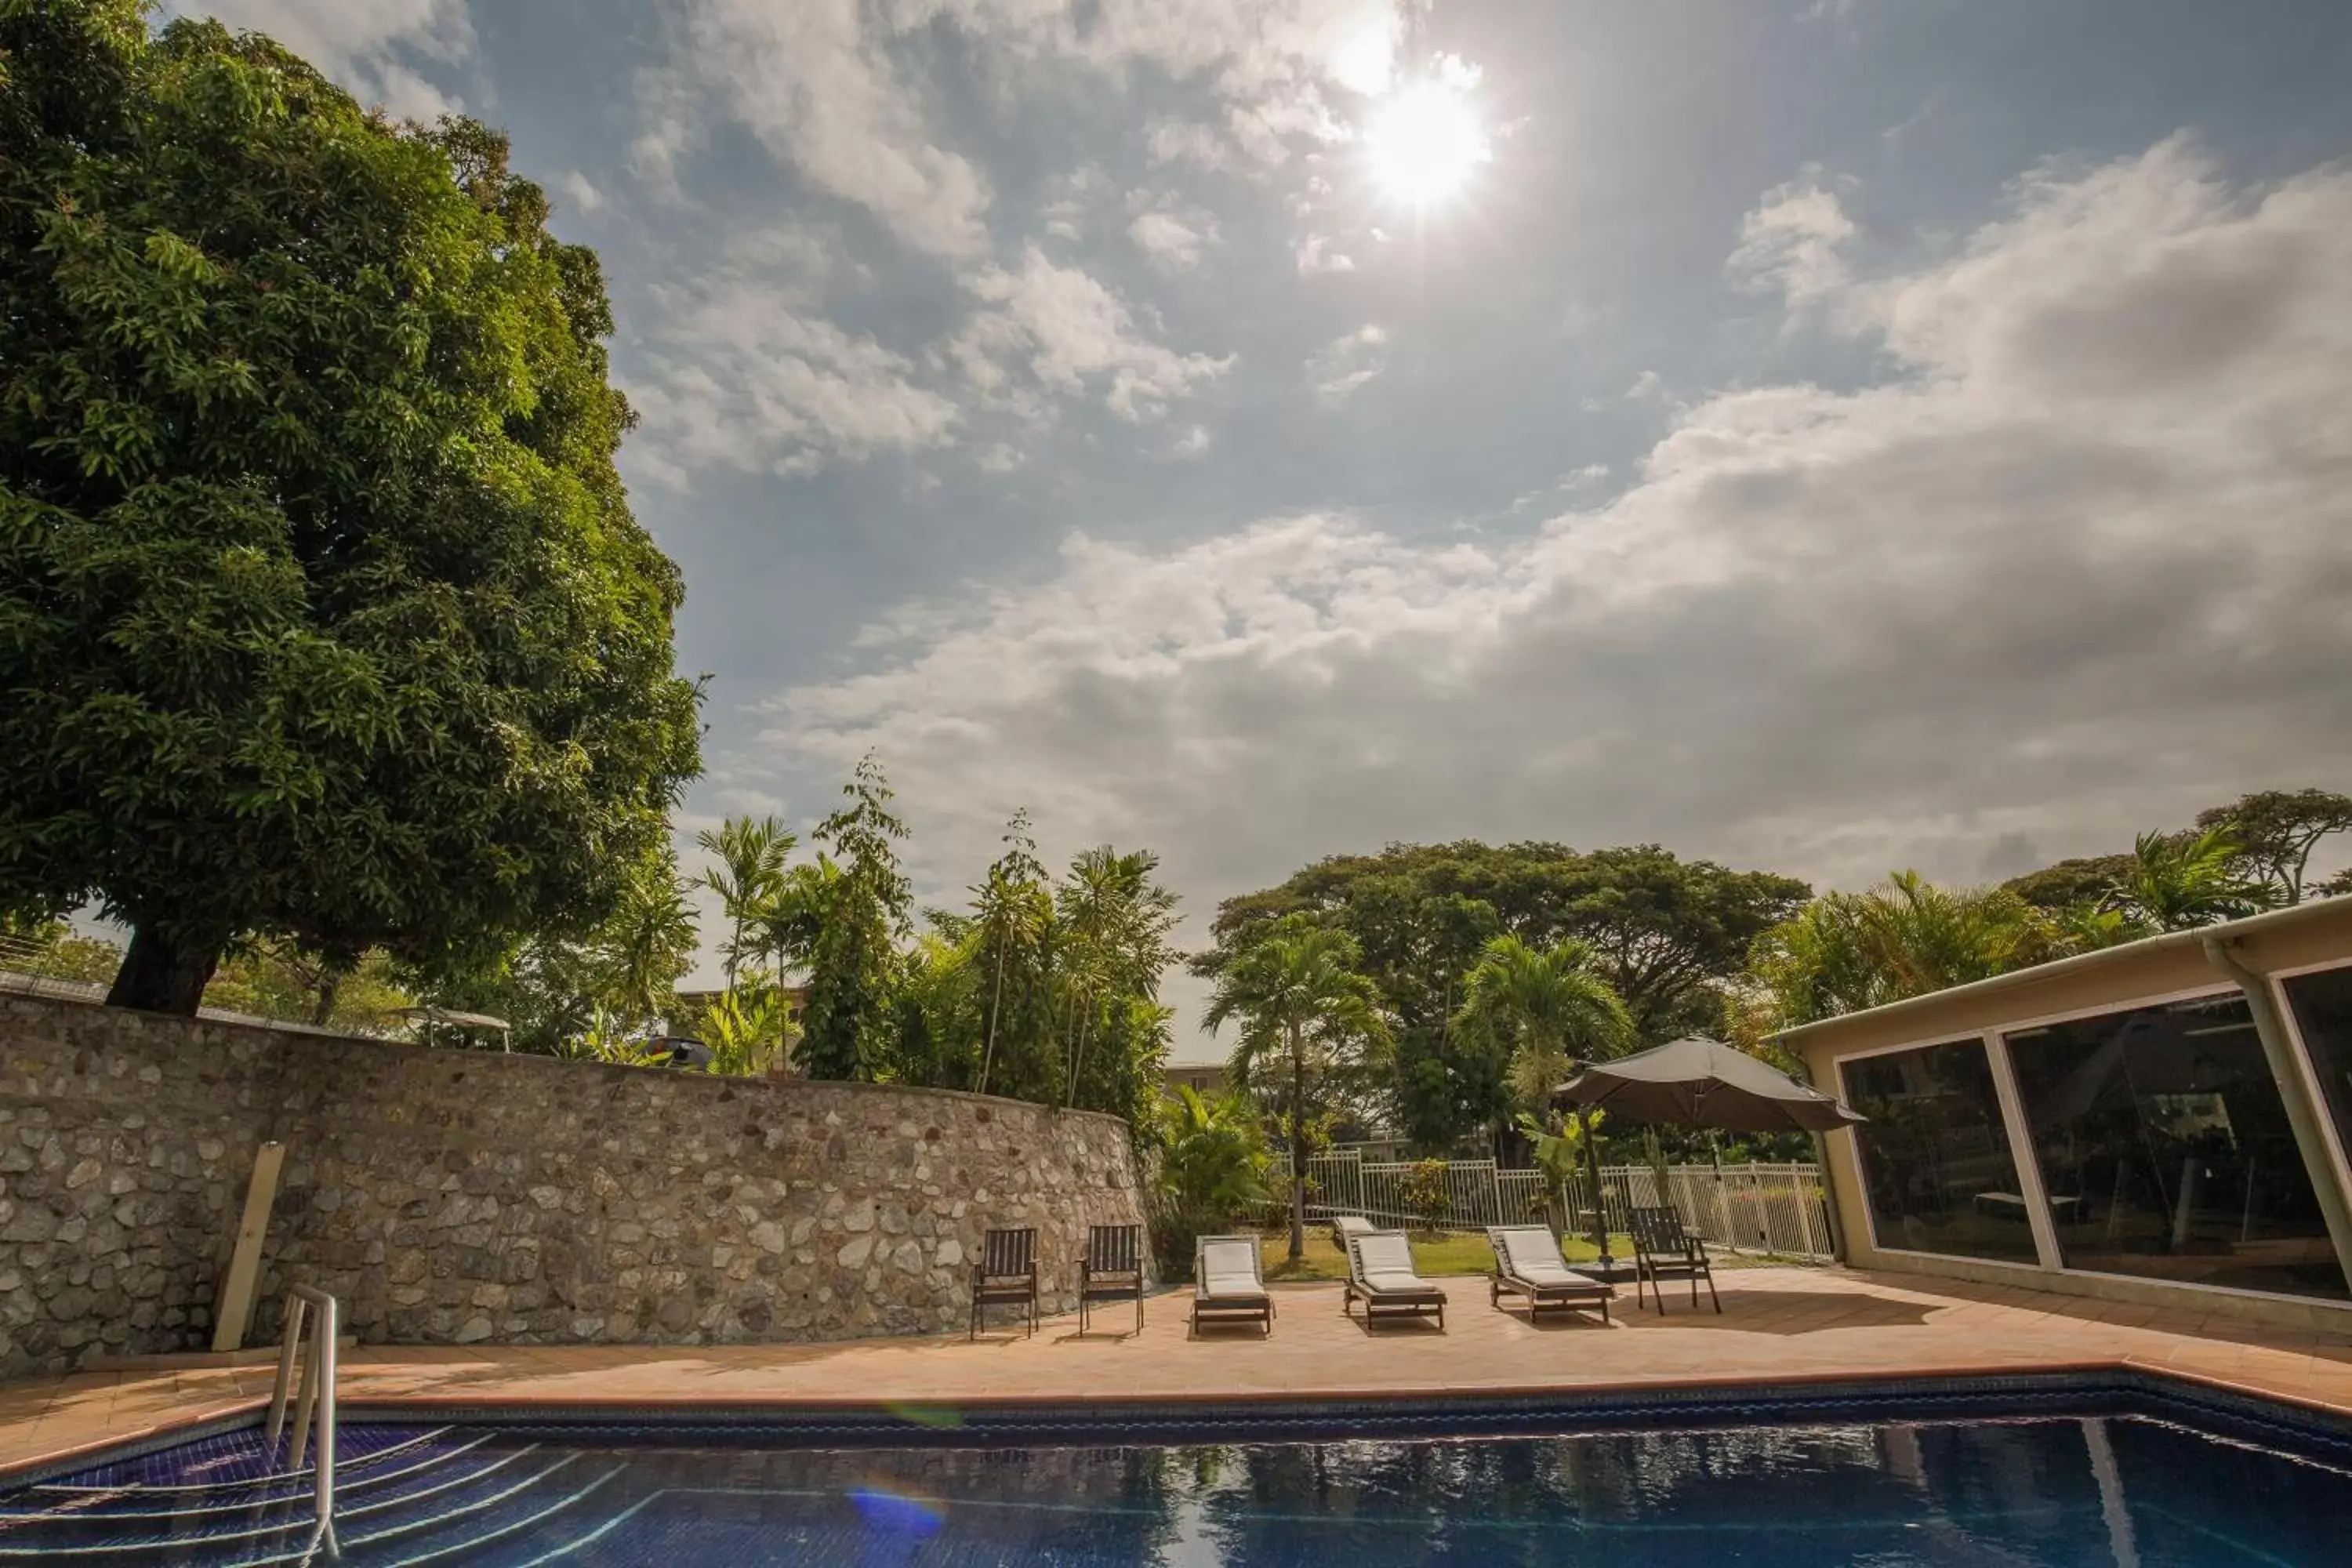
[[1115, 922], [1211, 1157], [1300, 1000], [1846, 951], [1013, 933], [749, 874], [1545, 1007], [2177, 882], [793, 918], [649, 942]]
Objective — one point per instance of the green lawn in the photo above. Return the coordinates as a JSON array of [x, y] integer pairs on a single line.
[[1441, 1253]]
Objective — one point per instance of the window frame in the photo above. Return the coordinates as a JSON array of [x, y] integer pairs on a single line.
[[2004, 1106], [1995, 1040]]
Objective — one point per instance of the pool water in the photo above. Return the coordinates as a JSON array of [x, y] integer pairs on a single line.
[[2118, 1491]]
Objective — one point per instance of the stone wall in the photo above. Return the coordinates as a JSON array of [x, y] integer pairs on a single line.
[[460, 1197]]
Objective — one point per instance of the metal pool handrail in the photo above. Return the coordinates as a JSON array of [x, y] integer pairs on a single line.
[[318, 1395]]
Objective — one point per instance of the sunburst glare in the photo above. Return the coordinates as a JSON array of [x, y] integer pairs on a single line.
[[1424, 142]]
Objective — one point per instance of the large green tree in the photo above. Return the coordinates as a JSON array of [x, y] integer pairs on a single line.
[[2276, 831], [1666, 934], [1309, 1021], [323, 616]]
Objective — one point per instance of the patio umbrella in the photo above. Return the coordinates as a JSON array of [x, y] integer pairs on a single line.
[[1695, 1082], [1703, 1083]]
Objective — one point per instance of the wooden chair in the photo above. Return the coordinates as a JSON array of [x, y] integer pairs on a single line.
[[1112, 1269], [1664, 1250], [1006, 1276]]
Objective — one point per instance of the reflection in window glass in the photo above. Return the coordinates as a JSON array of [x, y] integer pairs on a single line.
[[2165, 1153], [2322, 1013], [1935, 1160]]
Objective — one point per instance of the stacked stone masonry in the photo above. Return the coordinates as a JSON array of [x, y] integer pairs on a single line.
[[461, 1197]]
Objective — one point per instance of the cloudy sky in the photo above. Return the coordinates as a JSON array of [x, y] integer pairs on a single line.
[[1821, 435]]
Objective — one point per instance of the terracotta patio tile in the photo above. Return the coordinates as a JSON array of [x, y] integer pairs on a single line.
[[1779, 1325]]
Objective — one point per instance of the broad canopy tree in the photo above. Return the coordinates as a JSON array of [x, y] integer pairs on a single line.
[[322, 613], [1666, 935]]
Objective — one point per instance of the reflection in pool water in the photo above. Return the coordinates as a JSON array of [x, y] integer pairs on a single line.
[[2123, 1491]]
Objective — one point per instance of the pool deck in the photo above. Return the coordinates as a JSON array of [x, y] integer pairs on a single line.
[[1779, 1327]]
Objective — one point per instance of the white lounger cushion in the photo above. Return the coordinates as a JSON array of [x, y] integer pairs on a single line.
[[1529, 1253], [1230, 1268], [1384, 1265]]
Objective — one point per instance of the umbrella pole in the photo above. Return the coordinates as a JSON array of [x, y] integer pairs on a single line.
[[1600, 1199]]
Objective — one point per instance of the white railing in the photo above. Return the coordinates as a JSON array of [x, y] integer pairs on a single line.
[[1774, 1209], [318, 1396]]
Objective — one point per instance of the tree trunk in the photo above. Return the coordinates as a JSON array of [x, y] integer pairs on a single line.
[[164, 974], [1297, 1148], [1599, 1200], [995, 1010], [331, 982]]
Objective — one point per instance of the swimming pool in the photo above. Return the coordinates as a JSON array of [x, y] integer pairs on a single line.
[[2054, 1472]]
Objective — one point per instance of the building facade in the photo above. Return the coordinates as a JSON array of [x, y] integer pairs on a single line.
[[2162, 1122]]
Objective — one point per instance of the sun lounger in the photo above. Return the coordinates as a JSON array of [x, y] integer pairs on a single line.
[[1381, 1274], [1228, 1287], [1346, 1225], [1527, 1261]]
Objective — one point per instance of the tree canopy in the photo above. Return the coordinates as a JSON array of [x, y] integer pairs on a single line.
[[1664, 934], [323, 618]]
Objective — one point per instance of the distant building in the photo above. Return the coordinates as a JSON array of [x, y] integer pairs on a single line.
[[1206, 1079]]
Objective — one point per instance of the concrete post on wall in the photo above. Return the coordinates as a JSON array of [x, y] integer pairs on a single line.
[[2303, 1114]]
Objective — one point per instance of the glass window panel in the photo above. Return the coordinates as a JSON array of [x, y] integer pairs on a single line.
[[2165, 1153], [1935, 1159], [2322, 1013]]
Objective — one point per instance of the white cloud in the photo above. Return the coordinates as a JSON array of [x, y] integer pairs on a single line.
[[1790, 243], [823, 85], [1172, 233], [817, 86], [2078, 568], [1648, 387], [1048, 332], [747, 371], [1074, 198], [582, 191], [1189, 142], [372, 49], [1347, 362], [1316, 253]]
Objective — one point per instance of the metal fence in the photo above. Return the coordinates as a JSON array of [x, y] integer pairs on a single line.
[[1756, 1208]]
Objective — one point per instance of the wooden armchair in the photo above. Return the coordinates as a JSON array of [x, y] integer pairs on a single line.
[[1112, 1269], [1006, 1276], [1664, 1250]]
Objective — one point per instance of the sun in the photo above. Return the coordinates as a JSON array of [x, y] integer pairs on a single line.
[[1423, 142]]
